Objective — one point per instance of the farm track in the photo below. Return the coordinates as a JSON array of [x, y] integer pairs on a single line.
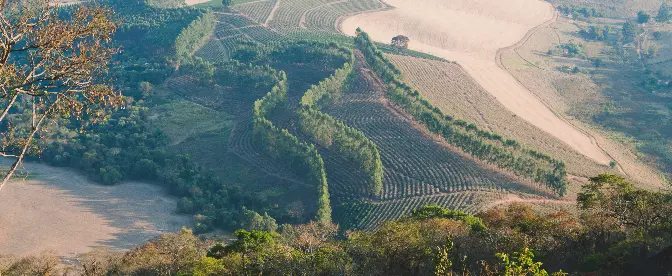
[[519, 44]]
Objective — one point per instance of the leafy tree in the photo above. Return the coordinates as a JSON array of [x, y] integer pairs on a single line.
[[253, 221], [226, 3], [438, 212], [247, 243], [56, 63], [664, 13], [207, 267], [522, 264], [612, 197], [597, 62], [629, 32], [400, 41], [643, 17]]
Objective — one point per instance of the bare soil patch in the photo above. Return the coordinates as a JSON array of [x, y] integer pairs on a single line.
[[471, 33], [195, 2], [59, 210]]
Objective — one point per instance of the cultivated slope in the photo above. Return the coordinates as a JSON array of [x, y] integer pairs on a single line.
[[470, 33]]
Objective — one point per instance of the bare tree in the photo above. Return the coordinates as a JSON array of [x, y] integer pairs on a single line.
[[55, 64]]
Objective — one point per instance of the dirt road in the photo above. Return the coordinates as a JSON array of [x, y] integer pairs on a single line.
[[470, 33]]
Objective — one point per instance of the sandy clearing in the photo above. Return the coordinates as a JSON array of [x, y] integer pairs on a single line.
[[470, 33], [60, 210], [195, 2]]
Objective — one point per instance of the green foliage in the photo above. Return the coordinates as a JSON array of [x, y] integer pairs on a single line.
[[633, 208], [331, 133], [428, 244], [253, 221], [572, 49], [643, 17], [434, 211], [597, 33], [194, 36], [630, 32], [484, 145], [166, 4], [201, 69], [581, 13], [664, 13], [281, 145], [208, 266], [521, 264]]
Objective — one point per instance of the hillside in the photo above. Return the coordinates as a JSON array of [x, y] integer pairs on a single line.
[[264, 114]]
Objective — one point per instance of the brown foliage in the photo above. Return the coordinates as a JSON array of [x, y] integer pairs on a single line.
[[57, 66]]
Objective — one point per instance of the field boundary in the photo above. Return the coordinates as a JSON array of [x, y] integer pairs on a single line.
[[514, 47]]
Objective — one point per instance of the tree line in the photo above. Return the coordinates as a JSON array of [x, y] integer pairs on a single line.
[[493, 148], [616, 229], [331, 133], [194, 36], [301, 157]]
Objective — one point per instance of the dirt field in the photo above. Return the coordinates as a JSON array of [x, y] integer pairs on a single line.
[[471, 33], [194, 2], [60, 210]]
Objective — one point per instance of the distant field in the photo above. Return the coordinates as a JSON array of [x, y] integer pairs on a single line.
[[581, 96], [615, 8], [62, 211]]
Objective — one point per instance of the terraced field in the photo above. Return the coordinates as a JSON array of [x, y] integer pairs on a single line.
[[419, 169], [369, 214], [230, 150], [448, 87], [287, 16]]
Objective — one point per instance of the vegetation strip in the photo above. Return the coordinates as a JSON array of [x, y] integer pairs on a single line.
[[286, 148], [487, 146], [194, 36], [329, 132]]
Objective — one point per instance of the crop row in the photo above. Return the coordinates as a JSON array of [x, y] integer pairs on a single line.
[[285, 148], [317, 15], [234, 20], [484, 145], [415, 165], [257, 11], [367, 215], [330, 133]]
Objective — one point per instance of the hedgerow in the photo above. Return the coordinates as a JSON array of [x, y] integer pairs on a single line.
[[286, 148], [331, 133]]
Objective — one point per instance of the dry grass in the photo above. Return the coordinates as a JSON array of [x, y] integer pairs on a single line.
[[62, 211], [579, 96]]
